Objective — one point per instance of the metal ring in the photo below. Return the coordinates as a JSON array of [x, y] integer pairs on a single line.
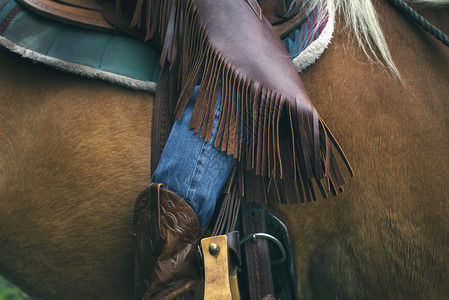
[[266, 236]]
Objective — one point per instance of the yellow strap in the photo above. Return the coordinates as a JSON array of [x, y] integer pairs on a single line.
[[234, 285], [216, 268]]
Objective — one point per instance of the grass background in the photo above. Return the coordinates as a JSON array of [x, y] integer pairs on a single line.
[[8, 291]]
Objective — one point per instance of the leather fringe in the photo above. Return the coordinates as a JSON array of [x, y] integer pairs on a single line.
[[263, 129]]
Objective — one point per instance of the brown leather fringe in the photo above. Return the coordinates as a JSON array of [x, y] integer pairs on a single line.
[[259, 126]]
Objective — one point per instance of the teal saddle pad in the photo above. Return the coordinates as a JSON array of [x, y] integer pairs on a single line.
[[117, 58]]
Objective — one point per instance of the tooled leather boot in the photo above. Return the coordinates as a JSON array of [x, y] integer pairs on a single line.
[[167, 234]]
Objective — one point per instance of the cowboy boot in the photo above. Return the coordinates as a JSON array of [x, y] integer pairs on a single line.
[[167, 234]]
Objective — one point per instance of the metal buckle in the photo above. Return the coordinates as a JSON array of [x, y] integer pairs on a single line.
[[255, 236]]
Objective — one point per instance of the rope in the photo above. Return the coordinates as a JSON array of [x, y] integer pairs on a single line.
[[414, 16]]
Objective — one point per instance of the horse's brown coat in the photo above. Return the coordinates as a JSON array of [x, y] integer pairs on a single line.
[[386, 236], [74, 154]]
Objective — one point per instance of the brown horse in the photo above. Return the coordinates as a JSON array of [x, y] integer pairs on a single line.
[[75, 153]]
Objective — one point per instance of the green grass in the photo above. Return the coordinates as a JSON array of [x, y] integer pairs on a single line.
[[8, 291]]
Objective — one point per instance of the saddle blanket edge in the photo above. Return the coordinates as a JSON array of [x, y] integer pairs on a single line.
[[115, 58], [79, 69]]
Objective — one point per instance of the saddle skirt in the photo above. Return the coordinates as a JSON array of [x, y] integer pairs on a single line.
[[285, 16]]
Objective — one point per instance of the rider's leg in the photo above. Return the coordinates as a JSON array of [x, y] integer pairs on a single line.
[[167, 229], [191, 167]]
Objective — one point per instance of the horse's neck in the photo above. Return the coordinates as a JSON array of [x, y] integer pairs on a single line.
[[395, 134], [424, 50]]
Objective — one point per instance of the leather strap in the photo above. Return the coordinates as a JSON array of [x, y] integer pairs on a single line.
[[234, 247], [226, 218], [285, 28], [216, 268], [257, 254], [84, 14], [284, 273], [161, 122]]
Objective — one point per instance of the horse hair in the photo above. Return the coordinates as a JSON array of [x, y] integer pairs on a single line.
[[361, 17]]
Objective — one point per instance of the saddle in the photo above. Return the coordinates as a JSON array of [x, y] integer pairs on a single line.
[[104, 15], [267, 121]]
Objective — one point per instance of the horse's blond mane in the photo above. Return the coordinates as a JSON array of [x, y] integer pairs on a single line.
[[361, 17]]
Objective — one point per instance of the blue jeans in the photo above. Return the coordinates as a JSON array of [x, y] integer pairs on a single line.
[[191, 167]]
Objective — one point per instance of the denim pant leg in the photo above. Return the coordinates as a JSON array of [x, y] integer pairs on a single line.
[[192, 167]]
